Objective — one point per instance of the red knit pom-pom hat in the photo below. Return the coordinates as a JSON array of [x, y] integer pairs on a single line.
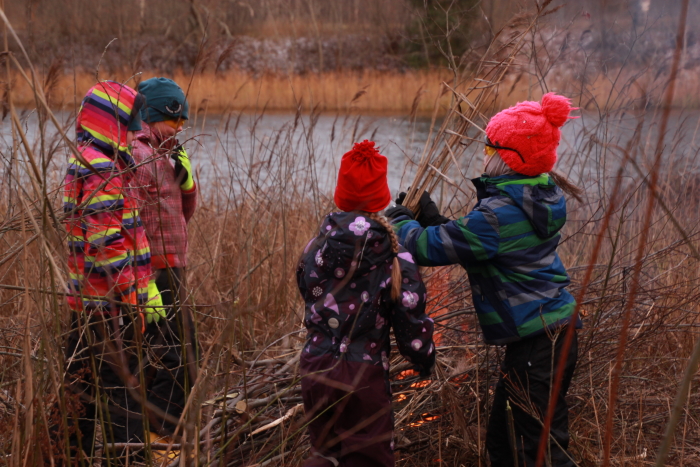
[[362, 184], [531, 129]]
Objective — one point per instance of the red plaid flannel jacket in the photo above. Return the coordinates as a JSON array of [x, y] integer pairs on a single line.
[[165, 208]]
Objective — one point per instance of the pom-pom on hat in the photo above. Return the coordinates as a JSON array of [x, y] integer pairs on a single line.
[[362, 183], [527, 134]]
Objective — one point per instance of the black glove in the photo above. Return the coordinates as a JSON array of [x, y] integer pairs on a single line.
[[429, 213], [402, 196], [399, 209], [425, 371]]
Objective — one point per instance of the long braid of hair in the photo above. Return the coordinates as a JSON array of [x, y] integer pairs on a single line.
[[396, 277], [566, 186]]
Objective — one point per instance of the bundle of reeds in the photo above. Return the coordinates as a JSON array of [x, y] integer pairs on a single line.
[[445, 146]]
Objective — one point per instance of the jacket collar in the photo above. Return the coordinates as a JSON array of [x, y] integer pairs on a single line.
[[148, 136], [491, 186]]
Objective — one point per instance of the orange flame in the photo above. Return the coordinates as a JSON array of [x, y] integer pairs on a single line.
[[425, 418], [420, 384], [406, 374]]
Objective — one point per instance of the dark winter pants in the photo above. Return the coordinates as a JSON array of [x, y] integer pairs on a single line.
[[172, 360], [526, 374], [348, 407], [102, 359]]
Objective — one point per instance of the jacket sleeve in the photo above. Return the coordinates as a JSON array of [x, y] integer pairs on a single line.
[[413, 329], [464, 241], [103, 212], [72, 189], [189, 202]]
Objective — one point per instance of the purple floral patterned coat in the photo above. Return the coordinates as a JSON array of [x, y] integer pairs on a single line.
[[344, 276]]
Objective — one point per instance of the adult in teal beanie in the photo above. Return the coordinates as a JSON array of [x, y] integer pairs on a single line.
[[165, 100]]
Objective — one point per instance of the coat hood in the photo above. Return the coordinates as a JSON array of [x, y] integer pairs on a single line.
[[539, 198], [344, 277], [104, 116], [350, 238]]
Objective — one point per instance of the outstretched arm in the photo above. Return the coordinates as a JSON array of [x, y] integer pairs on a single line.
[[435, 240], [471, 239]]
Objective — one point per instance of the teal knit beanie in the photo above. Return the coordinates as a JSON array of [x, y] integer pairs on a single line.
[[164, 100]]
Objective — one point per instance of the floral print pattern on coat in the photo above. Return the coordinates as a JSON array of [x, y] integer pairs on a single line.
[[344, 276]]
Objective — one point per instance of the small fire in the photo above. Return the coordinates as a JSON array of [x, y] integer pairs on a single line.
[[425, 417], [406, 374], [420, 384]]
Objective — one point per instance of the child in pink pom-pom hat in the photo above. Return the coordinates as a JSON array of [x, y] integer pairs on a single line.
[[526, 135], [508, 245]]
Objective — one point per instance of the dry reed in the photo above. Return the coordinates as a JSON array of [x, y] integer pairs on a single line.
[[260, 210], [382, 93]]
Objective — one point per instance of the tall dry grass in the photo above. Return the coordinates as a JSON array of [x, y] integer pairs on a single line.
[[265, 203], [374, 92]]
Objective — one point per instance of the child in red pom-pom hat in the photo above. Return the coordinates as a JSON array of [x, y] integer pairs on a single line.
[[358, 283], [508, 245]]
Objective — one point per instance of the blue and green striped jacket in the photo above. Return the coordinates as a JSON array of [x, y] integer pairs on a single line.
[[508, 245]]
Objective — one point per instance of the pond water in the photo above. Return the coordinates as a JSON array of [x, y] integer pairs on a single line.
[[226, 150], [591, 147]]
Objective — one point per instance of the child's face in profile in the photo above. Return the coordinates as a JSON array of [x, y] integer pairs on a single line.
[[167, 130], [488, 153]]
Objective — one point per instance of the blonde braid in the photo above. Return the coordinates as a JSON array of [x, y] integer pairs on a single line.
[[396, 277], [566, 186]]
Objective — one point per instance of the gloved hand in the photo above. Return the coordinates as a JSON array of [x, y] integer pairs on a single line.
[[183, 168], [425, 372], [154, 310], [429, 213], [399, 210], [402, 197]]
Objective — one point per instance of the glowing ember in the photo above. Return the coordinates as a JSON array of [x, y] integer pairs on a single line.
[[406, 374], [401, 397], [425, 418], [420, 384]]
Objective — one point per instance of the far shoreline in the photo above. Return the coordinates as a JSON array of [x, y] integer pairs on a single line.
[[407, 94]]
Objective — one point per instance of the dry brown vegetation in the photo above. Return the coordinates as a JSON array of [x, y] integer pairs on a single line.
[[280, 54], [375, 92], [260, 211]]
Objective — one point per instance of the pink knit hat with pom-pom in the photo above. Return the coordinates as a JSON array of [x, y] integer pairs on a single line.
[[527, 134]]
